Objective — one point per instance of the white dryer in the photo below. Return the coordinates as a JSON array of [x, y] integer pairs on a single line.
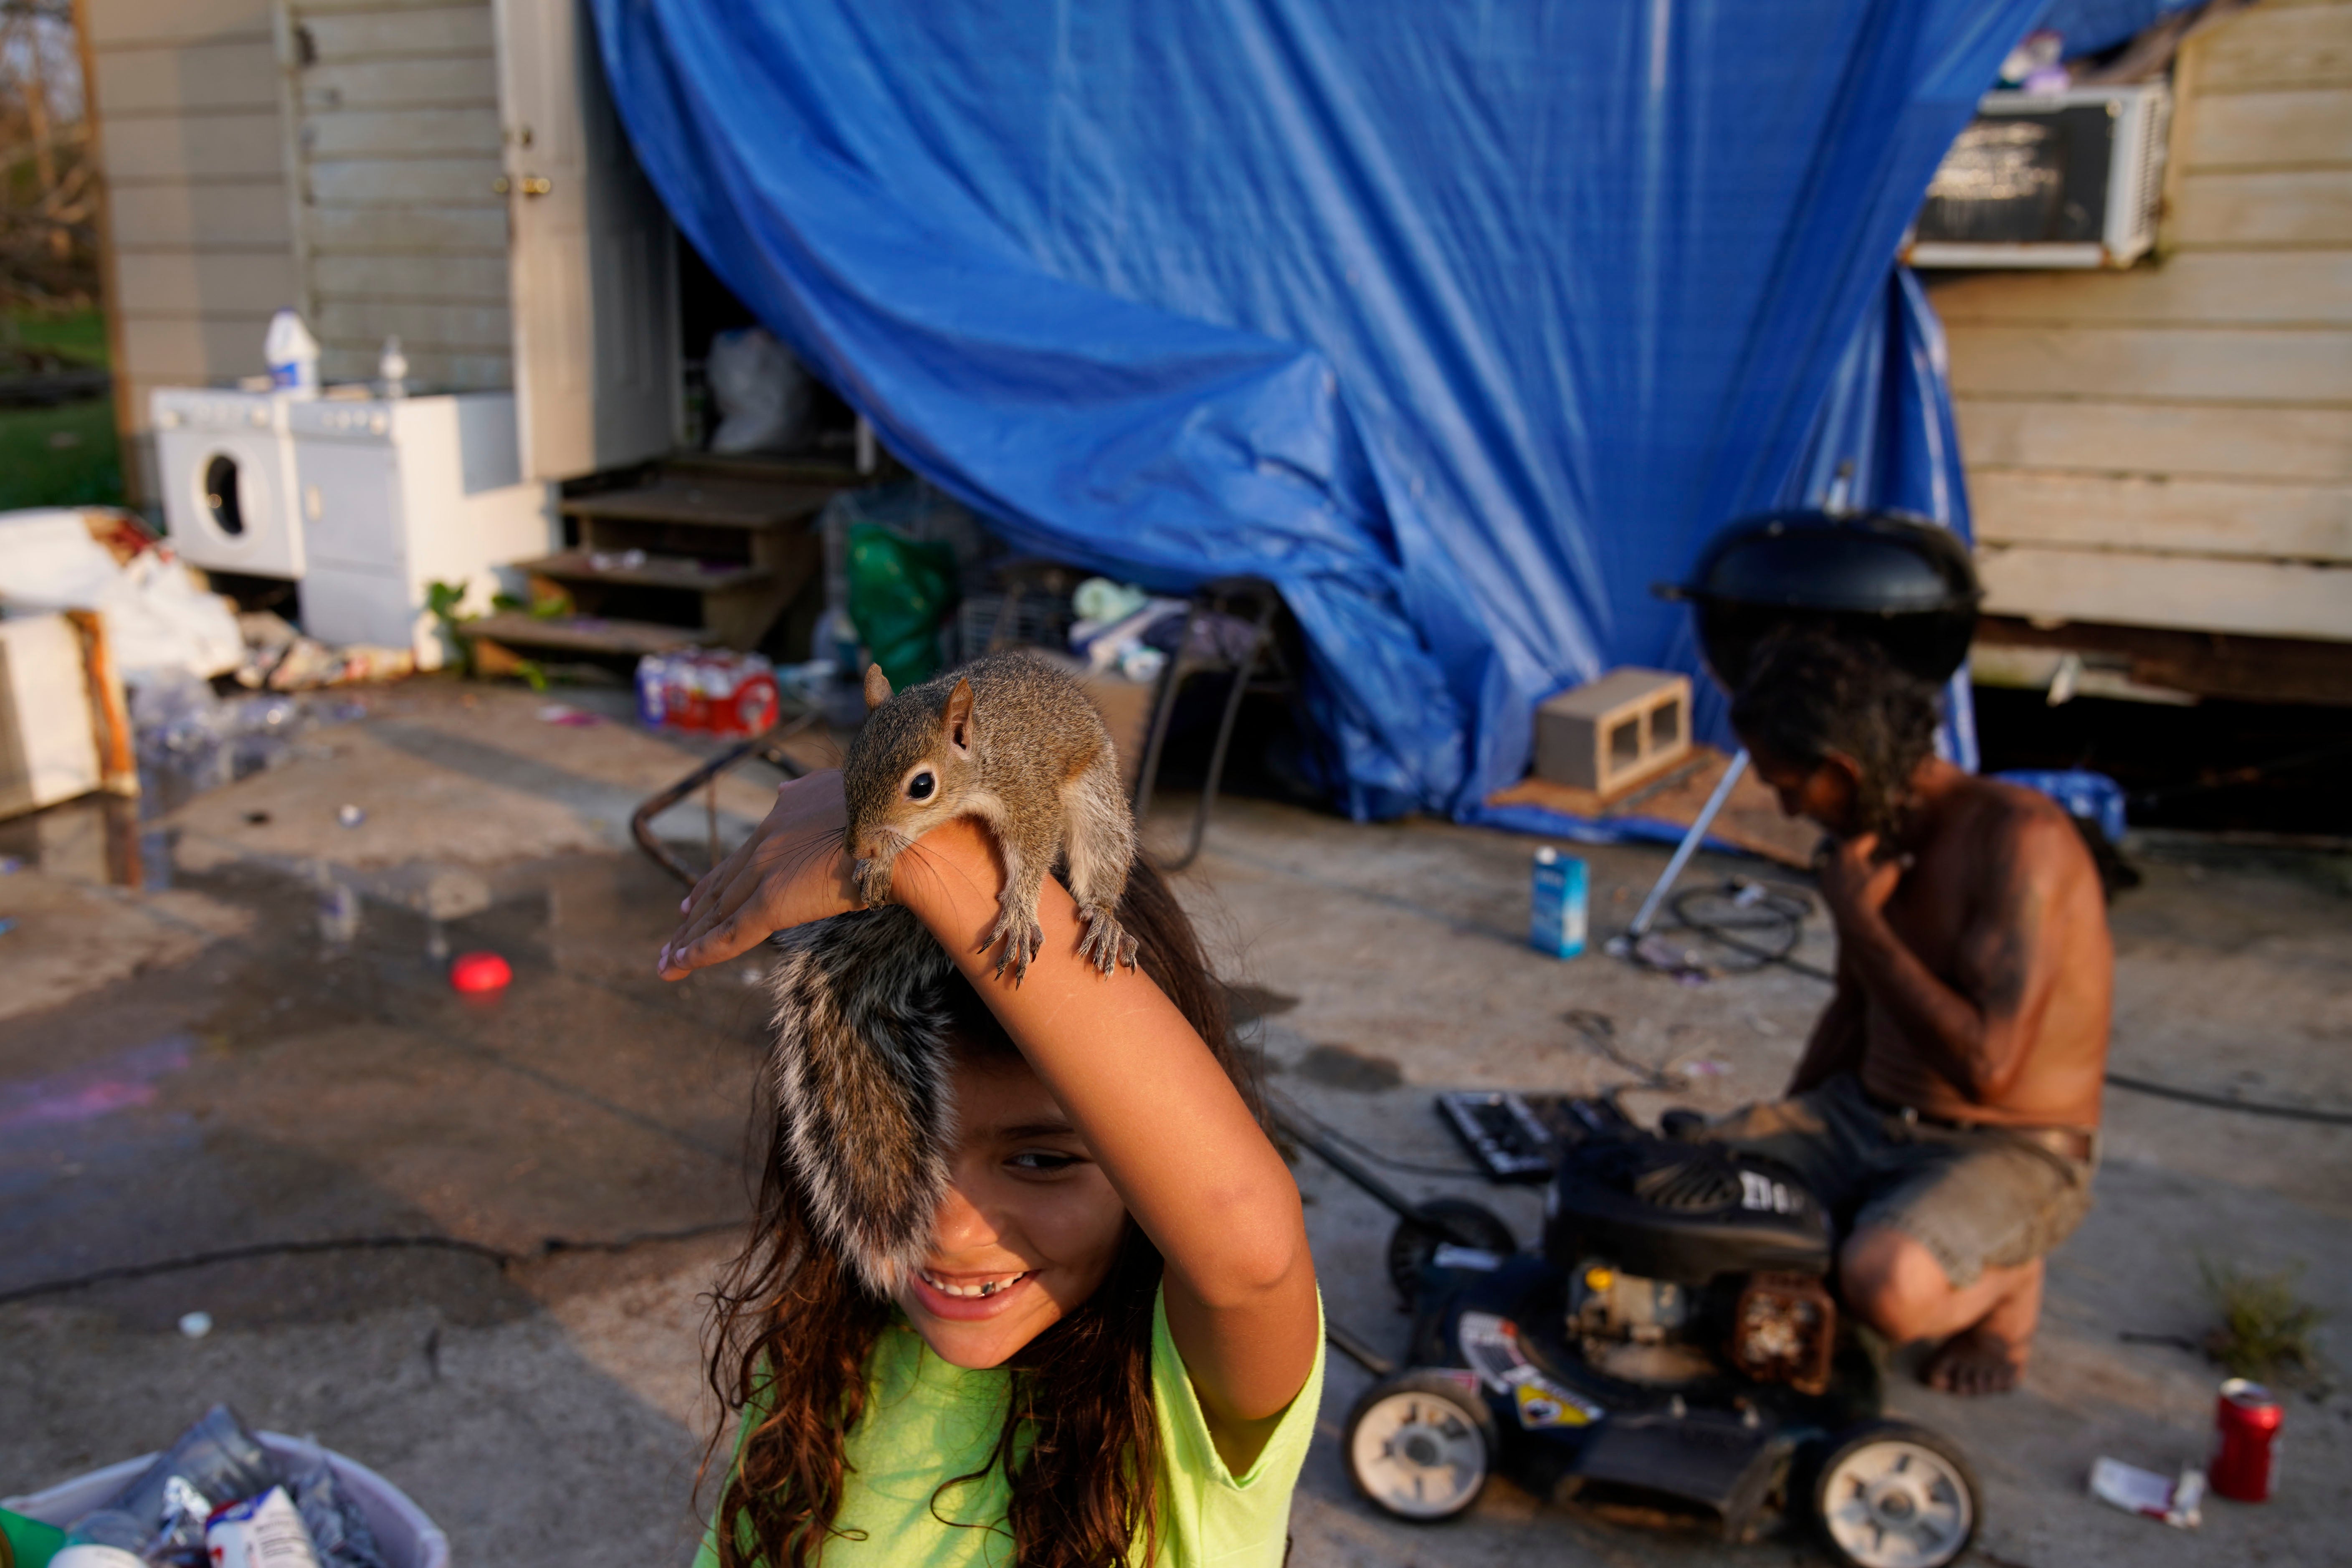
[[398, 494], [226, 462]]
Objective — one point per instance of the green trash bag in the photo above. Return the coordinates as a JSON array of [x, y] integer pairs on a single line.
[[899, 590]]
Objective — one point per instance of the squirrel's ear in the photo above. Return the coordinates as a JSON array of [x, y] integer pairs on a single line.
[[877, 688], [957, 719]]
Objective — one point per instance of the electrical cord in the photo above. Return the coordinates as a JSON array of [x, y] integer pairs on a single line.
[[1781, 907], [503, 1256]]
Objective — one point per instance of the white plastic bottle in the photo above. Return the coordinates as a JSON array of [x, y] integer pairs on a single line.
[[292, 354], [392, 368]]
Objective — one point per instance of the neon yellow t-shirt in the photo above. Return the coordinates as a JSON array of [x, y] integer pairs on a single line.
[[926, 1420]]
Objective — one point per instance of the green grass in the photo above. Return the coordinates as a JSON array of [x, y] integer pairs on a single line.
[[66, 456], [79, 334], [2266, 1327]]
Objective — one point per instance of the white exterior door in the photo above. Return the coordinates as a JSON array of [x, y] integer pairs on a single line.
[[594, 280]]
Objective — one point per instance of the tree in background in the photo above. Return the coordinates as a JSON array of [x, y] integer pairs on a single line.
[[49, 184]]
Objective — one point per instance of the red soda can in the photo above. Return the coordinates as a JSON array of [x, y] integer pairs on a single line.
[[2245, 1451]]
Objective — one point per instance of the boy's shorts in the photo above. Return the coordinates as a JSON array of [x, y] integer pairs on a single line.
[[1974, 1197]]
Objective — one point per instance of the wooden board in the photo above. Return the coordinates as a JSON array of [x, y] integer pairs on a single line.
[[2194, 593], [117, 22], [248, 145], [173, 78], [201, 281], [2183, 439], [2248, 518], [2280, 287], [430, 182], [399, 133], [437, 279], [477, 230], [483, 327], [2275, 365], [656, 572], [581, 634], [180, 218], [703, 505], [2234, 209], [460, 29], [1751, 818], [2270, 47], [453, 83], [2269, 129]]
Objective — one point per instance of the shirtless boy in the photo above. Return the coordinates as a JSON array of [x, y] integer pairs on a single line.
[[1947, 1106]]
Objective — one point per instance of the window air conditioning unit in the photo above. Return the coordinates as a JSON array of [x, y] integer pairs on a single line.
[[2048, 179]]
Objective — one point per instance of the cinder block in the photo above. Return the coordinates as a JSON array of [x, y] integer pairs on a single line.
[[1609, 734]]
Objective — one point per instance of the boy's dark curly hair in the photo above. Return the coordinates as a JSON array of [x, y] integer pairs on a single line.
[[1810, 692]]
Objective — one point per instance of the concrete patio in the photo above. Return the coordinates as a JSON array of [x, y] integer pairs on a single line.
[[261, 1047]]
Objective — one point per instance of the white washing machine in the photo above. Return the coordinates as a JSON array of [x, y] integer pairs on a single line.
[[226, 462], [399, 493]]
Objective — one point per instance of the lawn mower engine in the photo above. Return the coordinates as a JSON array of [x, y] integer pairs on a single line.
[[1672, 1353], [1685, 1260]]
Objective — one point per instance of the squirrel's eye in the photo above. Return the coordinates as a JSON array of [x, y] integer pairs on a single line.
[[920, 786]]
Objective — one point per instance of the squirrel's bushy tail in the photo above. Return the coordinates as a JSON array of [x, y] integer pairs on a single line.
[[863, 1083]]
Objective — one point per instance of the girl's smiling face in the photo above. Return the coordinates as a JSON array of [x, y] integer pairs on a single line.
[[1028, 1229]]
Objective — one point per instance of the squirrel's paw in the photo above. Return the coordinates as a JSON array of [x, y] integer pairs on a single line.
[[872, 879], [1105, 943], [1021, 937]]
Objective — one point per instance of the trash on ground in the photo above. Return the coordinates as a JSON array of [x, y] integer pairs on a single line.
[[571, 717], [157, 1513], [711, 691], [2128, 1486], [476, 972], [159, 615], [64, 723], [350, 815], [7, 925], [195, 1325], [202, 740], [1555, 919], [259, 1533], [2246, 1422]]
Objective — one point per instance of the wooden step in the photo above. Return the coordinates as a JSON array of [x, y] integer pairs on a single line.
[[581, 634], [655, 572], [704, 502]]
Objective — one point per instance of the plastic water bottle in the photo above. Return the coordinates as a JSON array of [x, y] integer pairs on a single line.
[[1555, 923], [392, 368], [292, 354]]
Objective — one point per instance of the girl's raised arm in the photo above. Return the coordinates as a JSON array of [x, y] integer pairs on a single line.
[[1166, 1126], [1155, 1109]]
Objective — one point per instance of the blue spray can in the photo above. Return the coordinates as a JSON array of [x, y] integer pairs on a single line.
[[1556, 924]]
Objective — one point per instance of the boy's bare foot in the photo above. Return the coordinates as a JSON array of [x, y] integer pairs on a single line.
[[1974, 1362], [1989, 1356]]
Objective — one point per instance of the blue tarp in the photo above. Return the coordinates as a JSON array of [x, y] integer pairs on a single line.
[[1465, 324]]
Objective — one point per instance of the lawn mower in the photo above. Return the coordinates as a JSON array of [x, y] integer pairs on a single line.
[[1675, 1353]]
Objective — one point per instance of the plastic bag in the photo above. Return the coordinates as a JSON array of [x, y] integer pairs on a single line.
[[899, 591], [217, 1460], [761, 392], [338, 1529]]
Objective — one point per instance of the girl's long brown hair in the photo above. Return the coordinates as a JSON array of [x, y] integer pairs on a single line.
[[793, 1329]]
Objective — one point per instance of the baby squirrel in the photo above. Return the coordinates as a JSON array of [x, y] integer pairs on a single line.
[[863, 1068]]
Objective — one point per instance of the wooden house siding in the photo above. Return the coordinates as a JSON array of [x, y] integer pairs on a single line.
[[334, 155], [2171, 447], [397, 151], [198, 233]]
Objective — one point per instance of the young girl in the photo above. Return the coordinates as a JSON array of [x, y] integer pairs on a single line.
[[1113, 1354]]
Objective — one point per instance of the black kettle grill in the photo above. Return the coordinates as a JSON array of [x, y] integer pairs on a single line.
[[1891, 578]]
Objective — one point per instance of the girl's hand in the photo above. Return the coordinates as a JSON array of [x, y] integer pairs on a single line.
[[794, 869]]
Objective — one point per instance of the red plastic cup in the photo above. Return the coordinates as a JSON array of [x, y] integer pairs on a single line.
[[476, 972]]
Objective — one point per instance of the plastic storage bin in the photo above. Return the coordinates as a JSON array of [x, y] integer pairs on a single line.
[[409, 1539]]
